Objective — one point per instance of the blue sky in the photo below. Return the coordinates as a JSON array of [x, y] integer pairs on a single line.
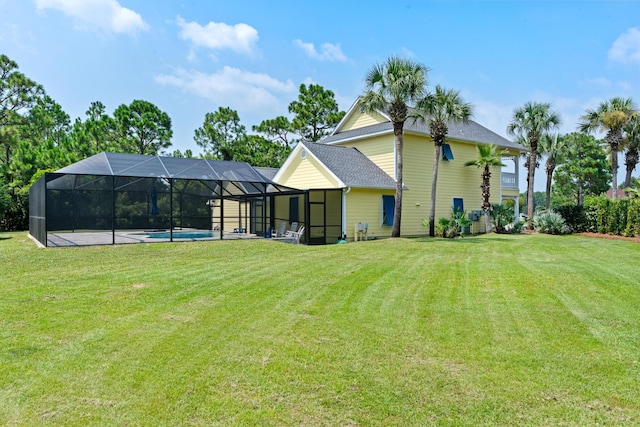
[[191, 57]]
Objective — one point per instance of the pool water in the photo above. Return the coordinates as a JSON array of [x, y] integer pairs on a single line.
[[182, 235]]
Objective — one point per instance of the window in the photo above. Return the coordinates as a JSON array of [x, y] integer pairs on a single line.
[[447, 154], [388, 210]]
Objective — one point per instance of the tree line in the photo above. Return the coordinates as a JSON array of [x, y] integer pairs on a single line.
[[577, 164], [37, 135]]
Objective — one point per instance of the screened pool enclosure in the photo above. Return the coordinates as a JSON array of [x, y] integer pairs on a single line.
[[113, 198]]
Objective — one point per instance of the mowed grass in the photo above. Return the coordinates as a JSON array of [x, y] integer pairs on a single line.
[[490, 330]]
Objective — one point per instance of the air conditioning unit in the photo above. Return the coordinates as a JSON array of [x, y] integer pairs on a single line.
[[475, 215]]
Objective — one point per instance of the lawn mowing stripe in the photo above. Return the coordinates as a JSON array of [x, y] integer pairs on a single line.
[[396, 332]]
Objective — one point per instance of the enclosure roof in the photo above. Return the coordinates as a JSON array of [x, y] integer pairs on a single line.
[[136, 165]]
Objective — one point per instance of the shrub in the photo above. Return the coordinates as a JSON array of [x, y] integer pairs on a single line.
[[597, 208], [633, 218], [453, 226], [575, 217], [502, 217], [550, 222], [619, 217], [14, 210]]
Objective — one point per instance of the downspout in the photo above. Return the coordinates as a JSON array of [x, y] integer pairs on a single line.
[[344, 211]]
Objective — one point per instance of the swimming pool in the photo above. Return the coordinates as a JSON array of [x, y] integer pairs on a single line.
[[195, 234]]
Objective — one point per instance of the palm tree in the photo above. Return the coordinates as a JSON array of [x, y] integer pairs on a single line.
[[531, 122], [554, 147], [631, 143], [610, 117], [390, 87], [488, 157], [441, 107]]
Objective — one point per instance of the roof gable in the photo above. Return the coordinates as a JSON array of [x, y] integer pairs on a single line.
[[351, 167], [354, 118], [351, 128]]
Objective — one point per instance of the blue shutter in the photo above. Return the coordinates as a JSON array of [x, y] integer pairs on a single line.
[[447, 154], [388, 209], [458, 204]]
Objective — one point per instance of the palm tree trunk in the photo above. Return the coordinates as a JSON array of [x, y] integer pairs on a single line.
[[551, 166], [613, 138], [533, 142], [434, 182], [397, 133], [631, 160], [547, 201], [486, 196], [614, 171]]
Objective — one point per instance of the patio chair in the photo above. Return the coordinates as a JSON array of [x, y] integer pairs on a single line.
[[296, 236], [292, 231], [279, 232]]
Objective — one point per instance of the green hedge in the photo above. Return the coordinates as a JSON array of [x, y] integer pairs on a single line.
[[575, 217], [603, 215]]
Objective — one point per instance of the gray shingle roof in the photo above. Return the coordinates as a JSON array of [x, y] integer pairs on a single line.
[[268, 173], [470, 131], [352, 167]]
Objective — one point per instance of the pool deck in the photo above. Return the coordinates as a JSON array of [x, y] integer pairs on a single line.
[[121, 237]]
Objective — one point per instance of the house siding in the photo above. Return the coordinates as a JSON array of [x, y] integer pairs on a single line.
[[234, 213], [308, 173], [380, 150], [454, 180], [365, 206], [360, 120]]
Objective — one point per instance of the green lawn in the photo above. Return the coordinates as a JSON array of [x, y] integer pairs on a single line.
[[490, 330]]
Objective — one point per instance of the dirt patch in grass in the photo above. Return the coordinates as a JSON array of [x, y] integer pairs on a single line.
[[140, 285], [611, 237]]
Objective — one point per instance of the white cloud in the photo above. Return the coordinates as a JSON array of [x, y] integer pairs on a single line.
[[328, 51], [626, 48], [406, 53], [624, 86], [598, 81], [606, 84], [218, 35], [241, 90], [493, 116], [98, 15]]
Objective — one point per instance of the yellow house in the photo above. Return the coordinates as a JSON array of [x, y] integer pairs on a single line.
[[358, 162]]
